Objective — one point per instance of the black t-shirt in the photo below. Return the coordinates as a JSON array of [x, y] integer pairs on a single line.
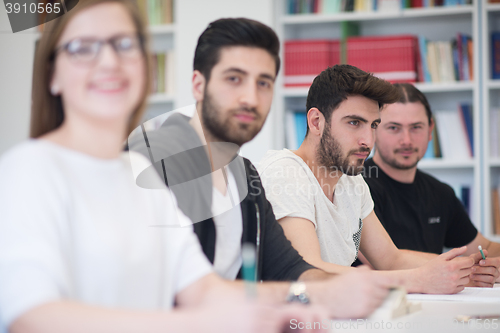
[[422, 216]]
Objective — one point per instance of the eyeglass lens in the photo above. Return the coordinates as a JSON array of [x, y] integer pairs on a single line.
[[86, 50]]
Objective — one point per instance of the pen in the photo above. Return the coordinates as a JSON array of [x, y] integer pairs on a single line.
[[249, 269], [482, 253], [467, 318]]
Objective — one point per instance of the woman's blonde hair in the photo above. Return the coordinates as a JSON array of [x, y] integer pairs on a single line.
[[47, 111]]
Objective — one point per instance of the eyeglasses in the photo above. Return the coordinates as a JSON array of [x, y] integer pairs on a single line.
[[87, 50]]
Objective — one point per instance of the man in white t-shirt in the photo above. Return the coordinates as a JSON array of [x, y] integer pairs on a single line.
[[321, 200]]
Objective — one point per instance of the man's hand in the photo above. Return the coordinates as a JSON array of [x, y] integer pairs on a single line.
[[352, 295], [484, 272], [447, 273]]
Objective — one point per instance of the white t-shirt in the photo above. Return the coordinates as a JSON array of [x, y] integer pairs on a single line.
[[229, 228], [77, 227], [294, 191]]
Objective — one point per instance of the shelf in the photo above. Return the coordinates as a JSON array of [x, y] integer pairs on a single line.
[[424, 87], [495, 162], [295, 92], [493, 7], [364, 16], [161, 98], [444, 87], [439, 163], [494, 84], [161, 29]]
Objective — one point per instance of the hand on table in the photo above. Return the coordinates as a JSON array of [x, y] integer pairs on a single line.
[[484, 272], [447, 273], [356, 294], [252, 316]]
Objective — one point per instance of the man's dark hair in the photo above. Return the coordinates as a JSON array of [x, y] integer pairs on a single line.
[[333, 85], [410, 94], [233, 32]]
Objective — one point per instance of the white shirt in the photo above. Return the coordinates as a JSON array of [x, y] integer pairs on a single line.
[[77, 227], [229, 228], [294, 191]]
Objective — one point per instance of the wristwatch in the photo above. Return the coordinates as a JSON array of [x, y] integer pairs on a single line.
[[297, 293]]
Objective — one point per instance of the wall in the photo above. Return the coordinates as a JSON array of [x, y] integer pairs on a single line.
[[16, 65]]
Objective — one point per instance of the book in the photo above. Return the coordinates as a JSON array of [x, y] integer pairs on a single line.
[[452, 136], [393, 58], [495, 204], [435, 138], [495, 55], [305, 59], [494, 132], [432, 60], [429, 153], [291, 134], [163, 73], [300, 126], [156, 12], [466, 118], [331, 6], [425, 75]]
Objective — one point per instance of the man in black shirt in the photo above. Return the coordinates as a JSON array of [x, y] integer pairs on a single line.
[[418, 211]]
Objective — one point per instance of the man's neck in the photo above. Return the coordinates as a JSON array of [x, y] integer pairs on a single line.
[[327, 179], [401, 175]]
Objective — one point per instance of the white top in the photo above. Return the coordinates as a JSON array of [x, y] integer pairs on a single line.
[[294, 191], [229, 228], [77, 227]]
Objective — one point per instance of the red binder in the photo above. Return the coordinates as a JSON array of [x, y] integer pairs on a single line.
[[305, 59], [393, 58]]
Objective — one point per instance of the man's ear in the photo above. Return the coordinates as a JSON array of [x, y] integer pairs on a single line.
[[315, 122], [431, 128], [198, 85]]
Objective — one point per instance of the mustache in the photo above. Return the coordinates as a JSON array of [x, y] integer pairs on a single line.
[[406, 150], [247, 110], [360, 150]]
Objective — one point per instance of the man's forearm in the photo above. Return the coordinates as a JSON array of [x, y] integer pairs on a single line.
[[493, 249], [408, 259], [64, 316]]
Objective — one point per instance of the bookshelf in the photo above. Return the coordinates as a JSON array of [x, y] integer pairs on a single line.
[[435, 24], [490, 22], [162, 29]]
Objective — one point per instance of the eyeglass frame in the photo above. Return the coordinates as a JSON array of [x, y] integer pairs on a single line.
[[102, 43]]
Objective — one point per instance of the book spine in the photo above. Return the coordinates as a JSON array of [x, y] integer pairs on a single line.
[[495, 56]]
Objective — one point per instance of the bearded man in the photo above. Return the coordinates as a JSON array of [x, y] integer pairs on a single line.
[[322, 201]]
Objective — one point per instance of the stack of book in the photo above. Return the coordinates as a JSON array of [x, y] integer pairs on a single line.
[[156, 12], [400, 58], [163, 73], [339, 6], [393, 58], [305, 59], [494, 135], [453, 136], [446, 61]]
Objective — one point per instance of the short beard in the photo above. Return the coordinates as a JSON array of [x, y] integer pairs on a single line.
[[220, 128], [392, 162], [330, 155]]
